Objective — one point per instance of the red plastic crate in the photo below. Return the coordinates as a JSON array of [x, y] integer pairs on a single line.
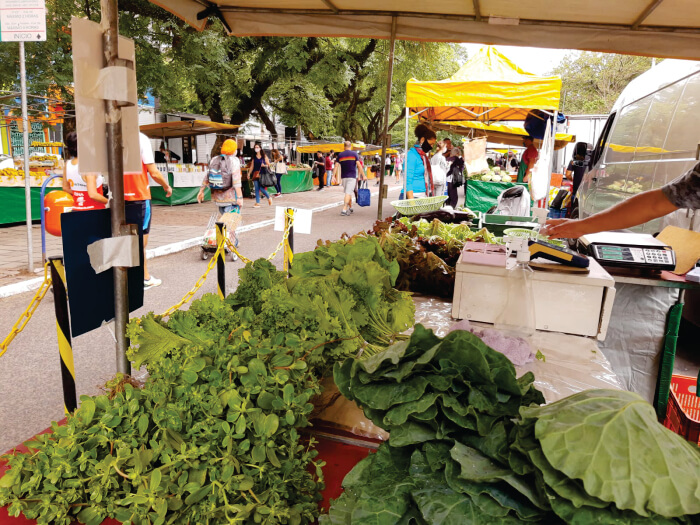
[[683, 410]]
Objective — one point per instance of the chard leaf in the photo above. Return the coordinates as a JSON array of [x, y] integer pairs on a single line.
[[612, 441]]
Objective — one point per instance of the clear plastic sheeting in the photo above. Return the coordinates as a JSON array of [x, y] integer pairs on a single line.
[[569, 364], [636, 334]]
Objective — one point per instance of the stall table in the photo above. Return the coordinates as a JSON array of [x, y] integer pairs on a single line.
[[12, 198], [481, 196], [296, 180], [185, 185]]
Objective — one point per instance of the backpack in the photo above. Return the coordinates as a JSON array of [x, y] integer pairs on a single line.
[[220, 174], [457, 172]]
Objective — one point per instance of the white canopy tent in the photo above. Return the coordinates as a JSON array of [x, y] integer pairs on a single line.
[[663, 28]]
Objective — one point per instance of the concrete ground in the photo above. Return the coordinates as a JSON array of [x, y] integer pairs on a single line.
[[30, 381]]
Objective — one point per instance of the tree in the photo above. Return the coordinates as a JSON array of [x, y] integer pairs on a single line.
[[591, 82]]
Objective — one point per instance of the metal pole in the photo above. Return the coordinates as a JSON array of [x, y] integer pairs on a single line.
[[405, 157], [221, 261], [115, 164], [387, 109], [27, 178]]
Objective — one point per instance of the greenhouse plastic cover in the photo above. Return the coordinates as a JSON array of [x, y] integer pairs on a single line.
[[489, 87]]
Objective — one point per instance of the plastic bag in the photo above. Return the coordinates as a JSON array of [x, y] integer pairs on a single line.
[[475, 156], [539, 177], [514, 202]]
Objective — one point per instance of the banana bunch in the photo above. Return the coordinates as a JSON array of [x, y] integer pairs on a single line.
[[11, 172]]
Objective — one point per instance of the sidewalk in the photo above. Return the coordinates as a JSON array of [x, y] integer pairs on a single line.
[[172, 226]]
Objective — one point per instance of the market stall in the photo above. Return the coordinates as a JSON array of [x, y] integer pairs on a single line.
[[185, 179], [297, 179], [488, 89], [43, 163]]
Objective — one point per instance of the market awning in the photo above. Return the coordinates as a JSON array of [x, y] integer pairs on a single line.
[[664, 28], [500, 133], [186, 128], [378, 151], [327, 148], [489, 87]]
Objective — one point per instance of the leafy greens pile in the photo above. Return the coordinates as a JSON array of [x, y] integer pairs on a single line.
[[426, 252], [469, 444], [212, 435]]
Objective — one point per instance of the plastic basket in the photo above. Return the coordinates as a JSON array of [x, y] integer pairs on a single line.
[[683, 409], [420, 205]]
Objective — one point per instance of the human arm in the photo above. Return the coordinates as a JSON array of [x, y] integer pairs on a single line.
[[66, 183], [158, 177], [634, 211], [360, 170], [205, 183], [91, 182]]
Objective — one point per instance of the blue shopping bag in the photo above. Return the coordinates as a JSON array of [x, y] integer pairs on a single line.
[[363, 194]]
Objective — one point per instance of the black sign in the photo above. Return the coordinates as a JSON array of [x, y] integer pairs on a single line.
[[91, 295]]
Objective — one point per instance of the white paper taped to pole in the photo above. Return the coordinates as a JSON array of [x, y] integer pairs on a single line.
[[302, 220], [114, 251]]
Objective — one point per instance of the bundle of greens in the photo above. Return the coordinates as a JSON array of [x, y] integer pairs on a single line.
[[426, 252], [460, 451], [212, 435]]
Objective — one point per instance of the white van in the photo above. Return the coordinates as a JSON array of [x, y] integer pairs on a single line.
[[651, 137]]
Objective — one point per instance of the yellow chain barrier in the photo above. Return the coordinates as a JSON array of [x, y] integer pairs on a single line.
[[28, 312], [285, 236]]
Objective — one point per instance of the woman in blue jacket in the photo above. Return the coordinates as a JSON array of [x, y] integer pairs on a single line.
[[415, 167]]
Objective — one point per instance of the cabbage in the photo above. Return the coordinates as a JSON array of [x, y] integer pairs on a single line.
[[487, 177], [495, 178], [506, 178]]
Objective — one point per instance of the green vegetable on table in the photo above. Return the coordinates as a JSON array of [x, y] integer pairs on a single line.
[[469, 444], [211, 437]]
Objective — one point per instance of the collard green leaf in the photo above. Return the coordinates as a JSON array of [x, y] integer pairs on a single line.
[[383, 396], [612, 441], [411, 433]]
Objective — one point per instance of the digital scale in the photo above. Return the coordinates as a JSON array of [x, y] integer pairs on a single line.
[[629, 250]]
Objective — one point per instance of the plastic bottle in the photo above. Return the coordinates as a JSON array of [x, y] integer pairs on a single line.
[[517, 319]]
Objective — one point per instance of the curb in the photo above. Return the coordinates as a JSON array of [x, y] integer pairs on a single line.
[[32, 284]]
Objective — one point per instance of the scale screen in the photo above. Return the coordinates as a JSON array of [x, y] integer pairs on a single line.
[[633, 256]]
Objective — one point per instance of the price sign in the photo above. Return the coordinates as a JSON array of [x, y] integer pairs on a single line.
[[22, 21]]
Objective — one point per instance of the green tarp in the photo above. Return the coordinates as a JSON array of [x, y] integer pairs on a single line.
[[12, 207], [297, 180], [481, 196]]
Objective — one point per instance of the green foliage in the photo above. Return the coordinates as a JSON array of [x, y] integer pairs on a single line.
[[469, 444], [212, 435], [591, 82]]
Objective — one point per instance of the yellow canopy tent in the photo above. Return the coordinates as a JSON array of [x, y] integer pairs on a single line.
[[488, 88], [378, 151], [327, 148], [500, 133]]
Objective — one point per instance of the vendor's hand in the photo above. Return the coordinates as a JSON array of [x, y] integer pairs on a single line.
[[564, 229]]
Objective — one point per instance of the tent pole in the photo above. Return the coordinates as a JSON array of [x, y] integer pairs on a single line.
[[405, 152], [551, 152], [115, 164], [387, 109]]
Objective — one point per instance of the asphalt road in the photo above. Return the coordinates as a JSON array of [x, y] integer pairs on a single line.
[[30, 382]]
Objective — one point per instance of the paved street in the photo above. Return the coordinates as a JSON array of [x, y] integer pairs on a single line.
[[30, 384]]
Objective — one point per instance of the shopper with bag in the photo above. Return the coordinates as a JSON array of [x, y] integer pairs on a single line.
[[418, 171], [439, 167], [455, 176], [348, 167], [258, 167], [280, 167]]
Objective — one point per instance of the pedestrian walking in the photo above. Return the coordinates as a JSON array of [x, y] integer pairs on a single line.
[[256, 164], [137, 193], [439, 167], [86, 189], [280, 169], [455, 176], [320, 170], [398, 162], [329, 168], [347, 169]]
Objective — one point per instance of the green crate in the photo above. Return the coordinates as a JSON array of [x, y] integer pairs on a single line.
[[496, 224]]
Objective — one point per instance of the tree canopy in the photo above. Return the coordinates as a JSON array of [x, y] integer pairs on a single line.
[[328, 86], [591, 82]]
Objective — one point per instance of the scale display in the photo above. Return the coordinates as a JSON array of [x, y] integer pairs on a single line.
[[630, 250]]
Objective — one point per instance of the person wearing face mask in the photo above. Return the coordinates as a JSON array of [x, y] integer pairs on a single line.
[[417, 171], [259, 161]]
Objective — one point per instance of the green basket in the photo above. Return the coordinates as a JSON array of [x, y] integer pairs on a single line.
[[420, 205]]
